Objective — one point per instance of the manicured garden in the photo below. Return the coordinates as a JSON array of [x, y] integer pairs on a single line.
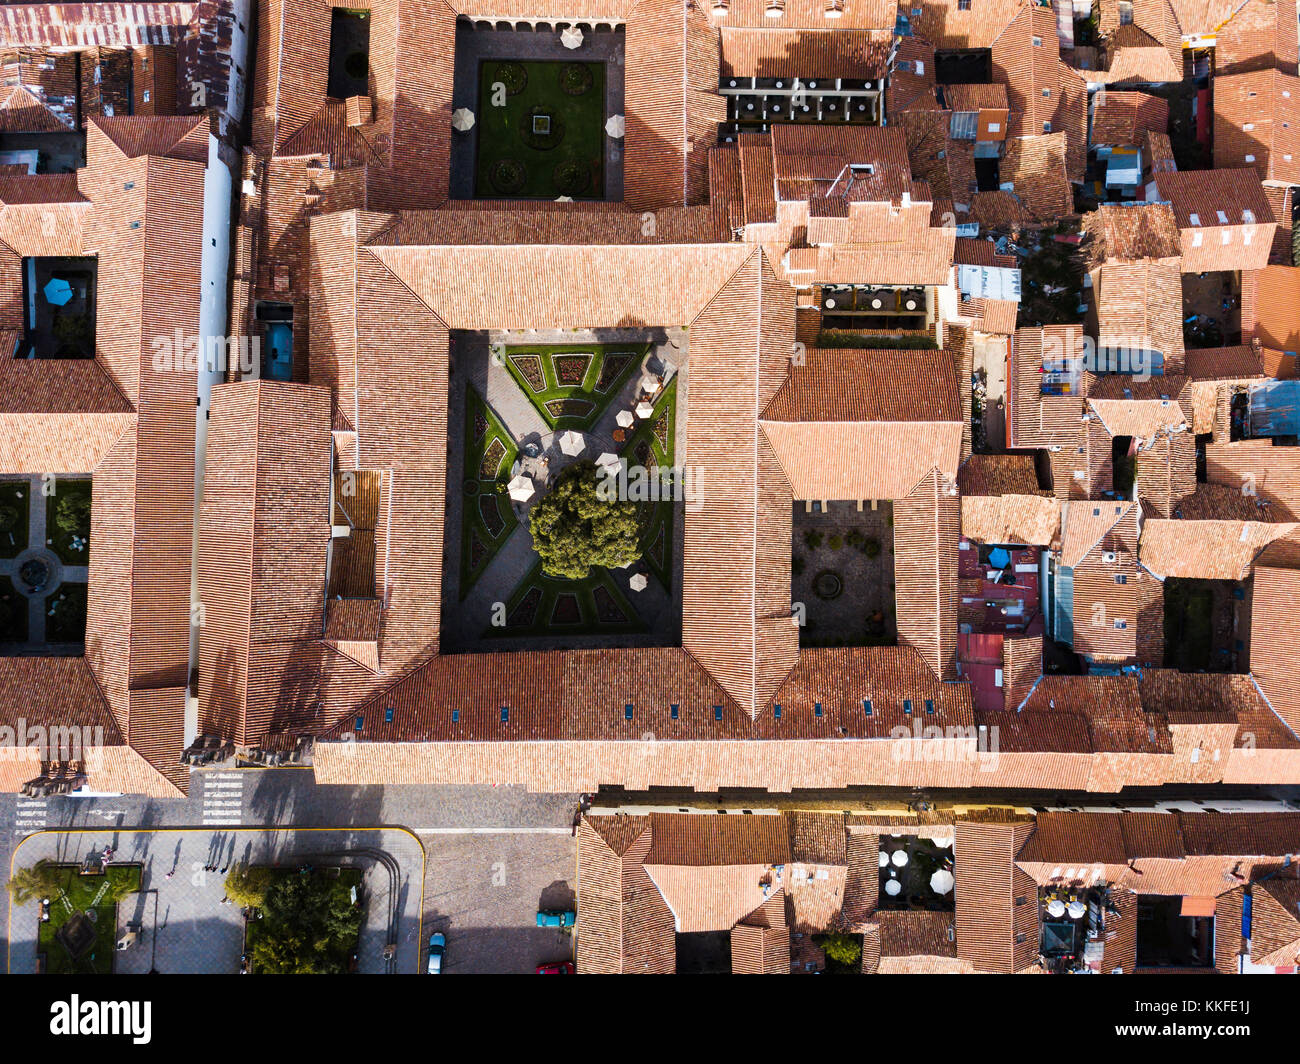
[[487, 518], [67, 521], [541, 130], [80, 936], [13, 613], [653, 444], [65, 614], [15, 507], [546, 606], [570, 385]]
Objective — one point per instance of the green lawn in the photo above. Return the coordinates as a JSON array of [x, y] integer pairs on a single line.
[[15, 505], [543, 605], [572, 384], [489, 455], [515, 161], [67, 518], [81, 893]]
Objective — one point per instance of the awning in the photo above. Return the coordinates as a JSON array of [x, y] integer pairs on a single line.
[[1198, 906]]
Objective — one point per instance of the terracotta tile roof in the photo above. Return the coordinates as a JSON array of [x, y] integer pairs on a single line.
[[841, 429], [1140, 307], [1257, 35], [1120, 118], [1257, 124], [999, 474], [1036, 168], [1131, 233], [1224, 217], [916, 934], [996, 932], [1274, 297], [764, 50], [1258, 469], [1028, 519], [911, 80], [1206, 550], [626, 925], [1274, 602], [1133, 55]]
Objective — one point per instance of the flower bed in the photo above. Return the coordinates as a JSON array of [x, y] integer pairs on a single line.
[[661, 431], [523, 615], [491, 514], [566, 610], [480, 425], [569, 408], [576, 78], [571, 370], [607, 610], [507, 175], [513, 76], [491, 463], [612, 368], [530, 368]]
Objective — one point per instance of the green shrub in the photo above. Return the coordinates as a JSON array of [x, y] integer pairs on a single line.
[[575, 529], [871, 548], [813, 538], [836, 541]]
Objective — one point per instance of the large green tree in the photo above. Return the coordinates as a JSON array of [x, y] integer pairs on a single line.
[[577, 527], [309, 926], [246, 885]]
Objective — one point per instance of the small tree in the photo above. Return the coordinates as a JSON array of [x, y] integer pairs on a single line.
[[72, 513], [246, 886], [41, 880], [842, 949], [576, 528]]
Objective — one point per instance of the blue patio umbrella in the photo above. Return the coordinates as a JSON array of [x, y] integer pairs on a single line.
[[999, 558], [58, 291]]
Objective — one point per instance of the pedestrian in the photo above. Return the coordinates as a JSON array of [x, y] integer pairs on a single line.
[[169, 874], [225, 870]]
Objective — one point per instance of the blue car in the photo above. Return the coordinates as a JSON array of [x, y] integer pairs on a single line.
[[555, 918], [437, 946]]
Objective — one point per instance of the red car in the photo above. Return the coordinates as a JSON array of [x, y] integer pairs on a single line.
[[558, 968]]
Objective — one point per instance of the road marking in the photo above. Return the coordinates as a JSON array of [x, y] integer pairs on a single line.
[[492, 831], [223, 799], [30, 816]]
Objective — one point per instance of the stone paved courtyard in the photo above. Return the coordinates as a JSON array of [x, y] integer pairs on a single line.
[[837, 542], [185, 928]]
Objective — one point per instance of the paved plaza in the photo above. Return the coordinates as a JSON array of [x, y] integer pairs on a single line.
[[186, 927]]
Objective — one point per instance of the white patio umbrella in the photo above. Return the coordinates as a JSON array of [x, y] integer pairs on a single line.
[[624, 419], [573, 443], [616, 126], [1077, 910], [893, 887], [638, 582], [462, 119], [941, 882], [563, 199], [884, 859], [644, 409], [521, 488], [650, 383], [571, 37], [607, 462], [899, 858], [1056, 908]]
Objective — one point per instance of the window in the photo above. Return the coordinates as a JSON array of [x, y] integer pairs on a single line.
[[1121, 578], [1125, 12], [627, 711], [505, 714], [455, 716], [963, 5], [1196, 240], [717, 712], [866, 707], [929, 706], [388, 715], [1047, 94], [359, 722], [1223, 218], [995, 127], [1047, 127], [1121, 625], [674, 711], [776, 711], [817, 709], [907, 706], [1038, 42], [1195, 219]]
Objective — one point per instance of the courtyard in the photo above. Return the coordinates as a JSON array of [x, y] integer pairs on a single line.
[[531, 412], [842, 572], [44, 563], [540, 100]]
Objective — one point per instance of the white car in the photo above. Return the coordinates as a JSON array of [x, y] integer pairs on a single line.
[[437, 946]]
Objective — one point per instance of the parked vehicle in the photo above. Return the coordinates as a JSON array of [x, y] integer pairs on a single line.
[[437, 947], [556, 918], [558, 968]]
